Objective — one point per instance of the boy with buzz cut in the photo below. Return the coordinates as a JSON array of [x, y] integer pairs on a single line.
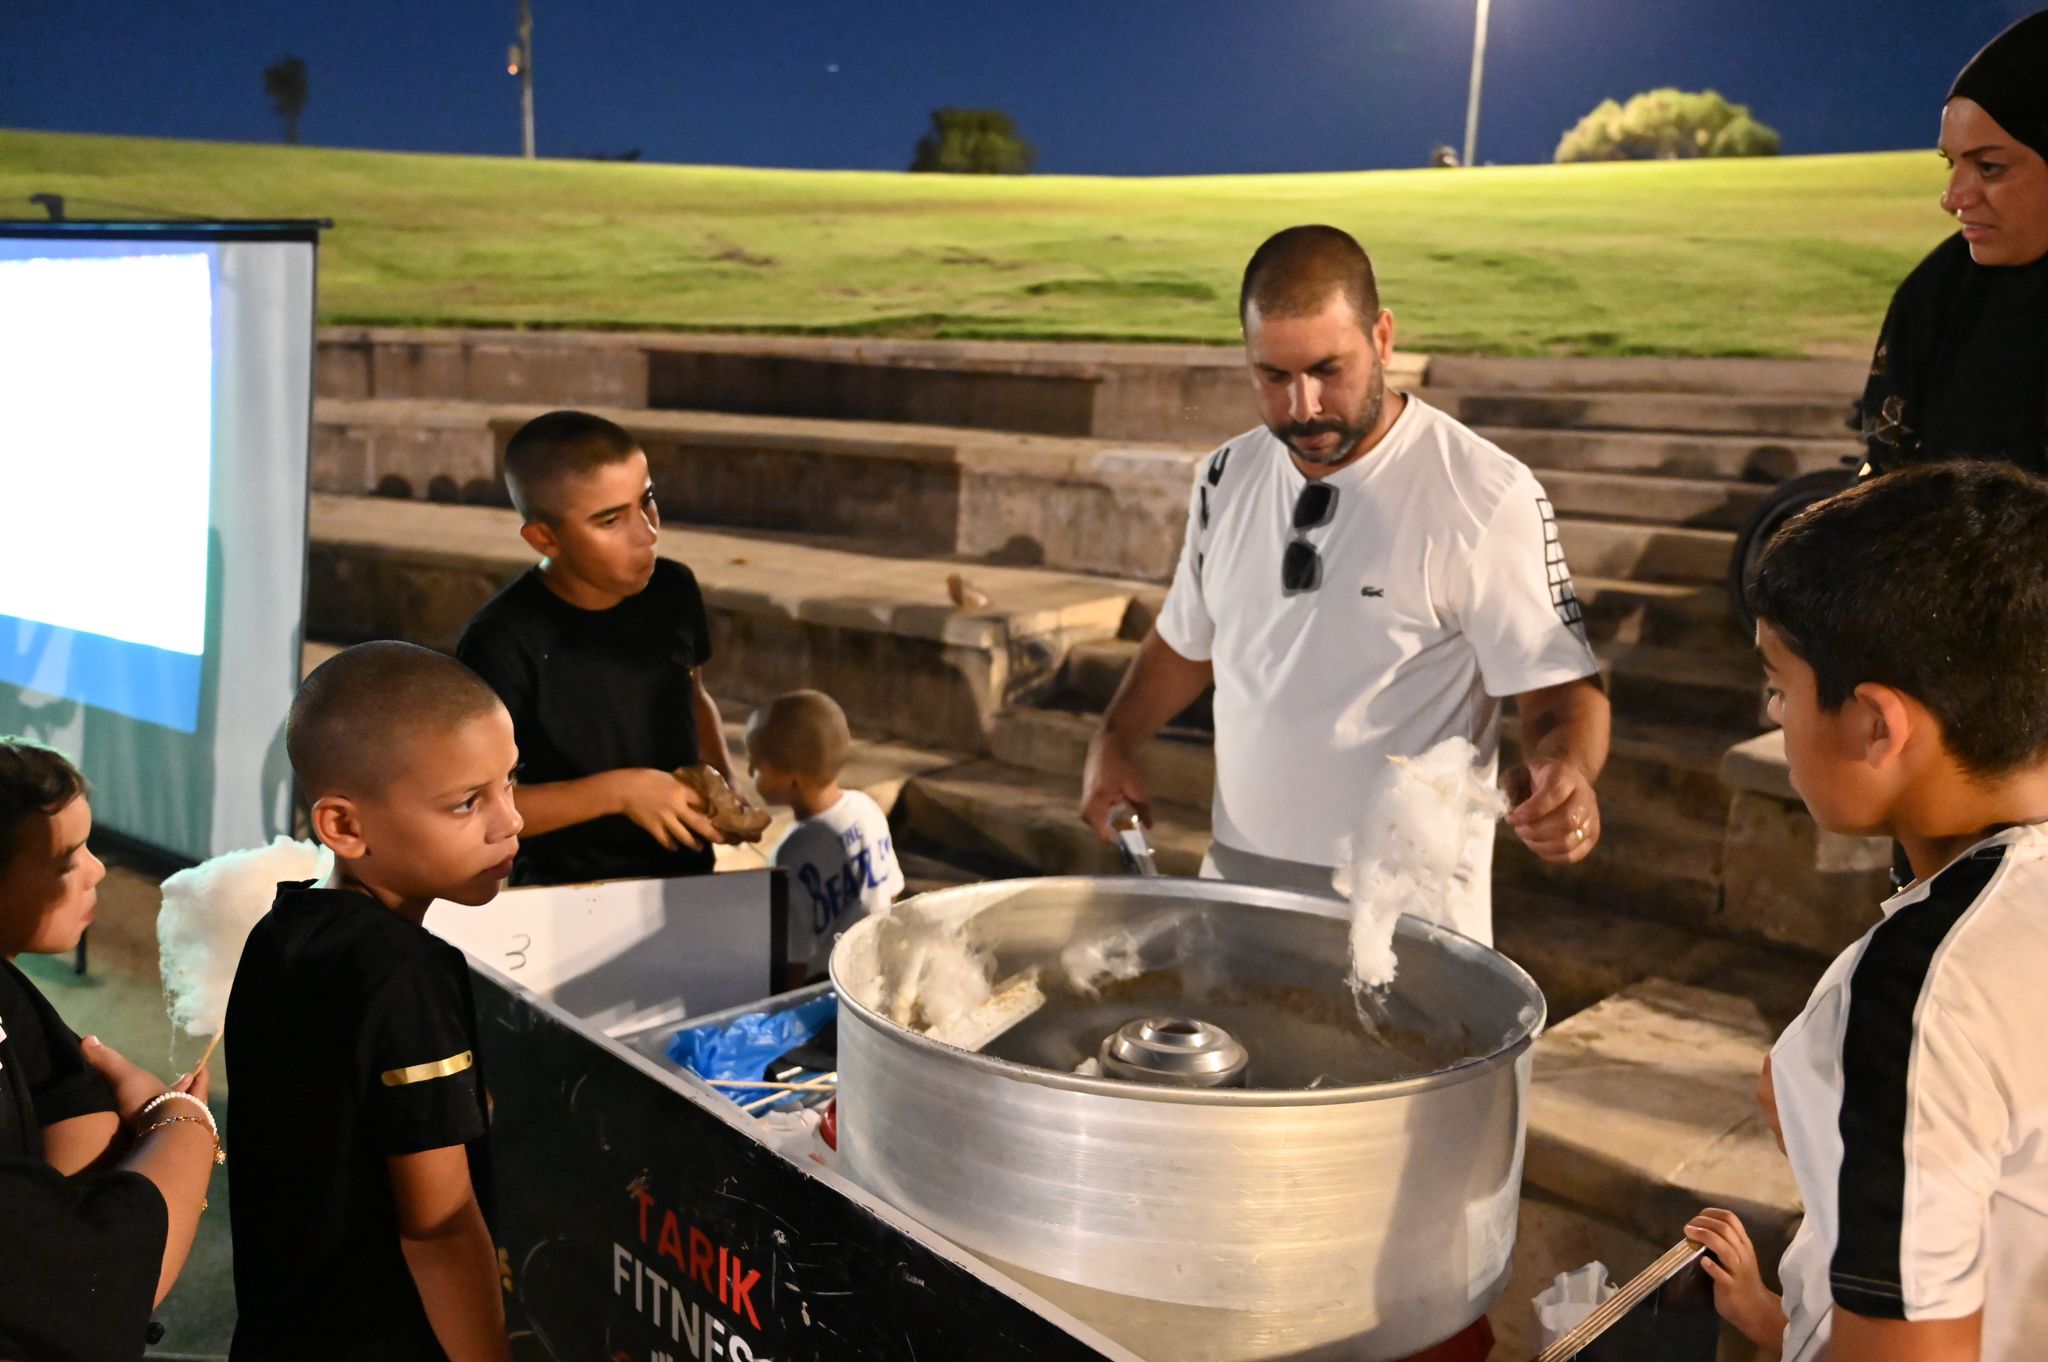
[[1904, 633], [839, 854], [598, 653], [359, 1113]]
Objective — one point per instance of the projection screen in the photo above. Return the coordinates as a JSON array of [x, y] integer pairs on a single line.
[[155, 416]]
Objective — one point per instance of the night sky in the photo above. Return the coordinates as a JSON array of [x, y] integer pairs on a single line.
[[1119, 87]]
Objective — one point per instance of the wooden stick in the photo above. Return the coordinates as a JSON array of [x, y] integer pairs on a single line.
[[207, 1053], [772, 1098], [816, 1085], [1610, 1311]]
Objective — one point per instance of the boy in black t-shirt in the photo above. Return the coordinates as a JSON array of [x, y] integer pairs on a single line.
[[359, 1115], [597, 653]]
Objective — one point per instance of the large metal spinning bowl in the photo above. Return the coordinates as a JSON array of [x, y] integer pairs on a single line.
[[1350, 1193]]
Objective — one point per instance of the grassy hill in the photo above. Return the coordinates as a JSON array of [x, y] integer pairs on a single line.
[[1793, 255]]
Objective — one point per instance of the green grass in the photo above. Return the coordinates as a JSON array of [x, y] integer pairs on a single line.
[[1794, 255]]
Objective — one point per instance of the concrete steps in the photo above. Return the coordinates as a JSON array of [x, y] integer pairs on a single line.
[[1642, 1110], [1728, 379], [1072, 504], [1027, 822], [880, 634], [1701, 503], [1697, 413], [1646, 553], [1187, 392], [1734, 458]]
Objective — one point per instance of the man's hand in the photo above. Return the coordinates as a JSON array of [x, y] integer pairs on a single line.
[[669, 811], [1111, 778], [1740, 1296], [1556, 813]]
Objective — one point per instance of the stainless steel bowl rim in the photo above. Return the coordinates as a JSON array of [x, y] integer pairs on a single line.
[[1167, 886]]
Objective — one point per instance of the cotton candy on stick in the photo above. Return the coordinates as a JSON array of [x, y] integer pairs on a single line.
[[1405, 851], [205, 920]]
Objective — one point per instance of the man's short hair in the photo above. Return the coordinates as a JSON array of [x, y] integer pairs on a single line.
[[550, 452], [1296, 272], [1933, 581], [803, 733], [34, 779], [356, 717]]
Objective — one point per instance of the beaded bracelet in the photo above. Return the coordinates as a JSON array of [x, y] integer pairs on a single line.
[[165, 1122], [153, 1103]]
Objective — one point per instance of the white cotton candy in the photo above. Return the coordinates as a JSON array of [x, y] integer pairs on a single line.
[[1404, 853], [1093, 961], [932, 976], [206, 916]]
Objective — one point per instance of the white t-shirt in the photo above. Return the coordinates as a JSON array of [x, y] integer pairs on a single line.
[[1444, 590], [842, 866], [1913, 1092]]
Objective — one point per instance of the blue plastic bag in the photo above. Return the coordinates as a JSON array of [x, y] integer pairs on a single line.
[[743, 1047]]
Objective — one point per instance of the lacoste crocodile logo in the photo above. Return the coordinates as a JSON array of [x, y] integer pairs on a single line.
[[1373, 591]]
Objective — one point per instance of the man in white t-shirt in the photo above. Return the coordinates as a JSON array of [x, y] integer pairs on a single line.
[[1363, 577]]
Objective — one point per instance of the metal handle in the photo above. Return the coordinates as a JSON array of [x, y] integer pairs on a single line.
[[1130, 841]]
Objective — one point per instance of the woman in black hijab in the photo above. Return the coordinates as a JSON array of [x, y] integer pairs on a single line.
[[1961, 369]]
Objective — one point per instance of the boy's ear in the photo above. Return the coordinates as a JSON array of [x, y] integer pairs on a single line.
[[1884, 721], [338, 825], [540, 536]]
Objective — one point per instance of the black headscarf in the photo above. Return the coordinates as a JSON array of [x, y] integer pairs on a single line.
[[1961, 369], [2009, 81]]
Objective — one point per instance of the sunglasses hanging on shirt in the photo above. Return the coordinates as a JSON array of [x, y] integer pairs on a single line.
[[1301, 566]]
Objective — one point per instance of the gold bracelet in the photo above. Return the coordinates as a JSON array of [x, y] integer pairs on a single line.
[[165, 1122]]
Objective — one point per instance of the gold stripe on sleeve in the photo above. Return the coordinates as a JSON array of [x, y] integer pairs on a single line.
[[420, 1073]]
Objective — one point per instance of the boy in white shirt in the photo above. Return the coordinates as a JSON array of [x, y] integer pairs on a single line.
[[840, 858], [1904, 633]]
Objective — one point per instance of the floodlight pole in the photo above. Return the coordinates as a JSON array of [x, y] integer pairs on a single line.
[[1478, 69], [526, 77]]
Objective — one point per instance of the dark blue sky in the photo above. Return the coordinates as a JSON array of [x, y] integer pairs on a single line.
[[1101, 86]]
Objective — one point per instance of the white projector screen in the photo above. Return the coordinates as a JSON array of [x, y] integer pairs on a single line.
[[156, 389]]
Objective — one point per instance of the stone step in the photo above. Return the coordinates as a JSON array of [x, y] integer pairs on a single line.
[[1653, 861], [1702, 503], [879, 634], [1816, 380], [1028, 823], [1718, 687], [1071, 504], [1672, 614], [1642, 1109], [1735, 458], [1148, 392], [1579, 954], [1697, 413], [1646, 553]]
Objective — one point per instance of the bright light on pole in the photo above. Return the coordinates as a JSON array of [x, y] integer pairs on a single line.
[[519, 62], [1478, 69]]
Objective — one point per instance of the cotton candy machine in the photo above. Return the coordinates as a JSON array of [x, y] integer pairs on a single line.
[[1197, 1145]]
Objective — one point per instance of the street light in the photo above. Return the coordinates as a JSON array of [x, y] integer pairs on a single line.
[[519, 62], [1478, 68]]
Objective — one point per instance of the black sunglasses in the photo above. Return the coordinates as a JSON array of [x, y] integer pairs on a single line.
[[1301, 567]]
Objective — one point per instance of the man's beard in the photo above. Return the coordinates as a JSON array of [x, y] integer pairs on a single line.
[[1348, 434]]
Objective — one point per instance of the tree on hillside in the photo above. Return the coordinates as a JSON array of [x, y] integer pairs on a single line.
[[974, 142], [285, 83], [1665, 125]]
